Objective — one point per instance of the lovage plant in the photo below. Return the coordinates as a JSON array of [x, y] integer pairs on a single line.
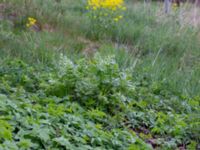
[[105, 14]]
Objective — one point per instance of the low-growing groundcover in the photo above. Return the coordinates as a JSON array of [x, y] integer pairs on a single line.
[[91, 104]]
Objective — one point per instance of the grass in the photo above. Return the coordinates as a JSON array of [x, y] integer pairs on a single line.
[[143, 31], [160, 51]]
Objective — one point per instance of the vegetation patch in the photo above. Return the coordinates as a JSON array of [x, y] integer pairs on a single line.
[[98, 74], [91, 104]]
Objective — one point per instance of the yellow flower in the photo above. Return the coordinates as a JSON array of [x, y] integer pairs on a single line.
[[31, 22], [116, 19], [114, 8], [31, 19], [27, 25], [174, 6], [94, 8], [107, 4], [106, 9], [120, 17]]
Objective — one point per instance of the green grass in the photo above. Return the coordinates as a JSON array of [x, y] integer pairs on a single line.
[[159, 53], [144, 33]]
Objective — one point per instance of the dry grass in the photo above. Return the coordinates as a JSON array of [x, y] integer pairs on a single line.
[[187, 15], [190, 15]]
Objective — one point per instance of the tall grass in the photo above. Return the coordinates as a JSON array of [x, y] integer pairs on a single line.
[[155, 44]]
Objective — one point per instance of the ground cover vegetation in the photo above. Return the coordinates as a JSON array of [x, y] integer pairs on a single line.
[[98, 75]]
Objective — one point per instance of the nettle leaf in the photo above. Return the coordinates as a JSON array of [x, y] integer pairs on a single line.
[[3, 103], [9, 145], [192, 145], [25, 144], [95, 113], [6, 130], [56, 110], [37, 132], [63, 142], [44, 134]]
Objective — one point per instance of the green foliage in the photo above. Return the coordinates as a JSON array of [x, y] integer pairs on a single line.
[[96, 83], [48, 101], [90, 104], [38, 118], [6, 132]]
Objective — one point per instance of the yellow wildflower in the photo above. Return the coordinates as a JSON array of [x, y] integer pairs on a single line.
[[116, 19], [94, 8], [174, 6], [106, 4], [120, 17], [27, 25], [31, 22]]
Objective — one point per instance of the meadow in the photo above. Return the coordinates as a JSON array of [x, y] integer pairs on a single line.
[[70, 79]]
